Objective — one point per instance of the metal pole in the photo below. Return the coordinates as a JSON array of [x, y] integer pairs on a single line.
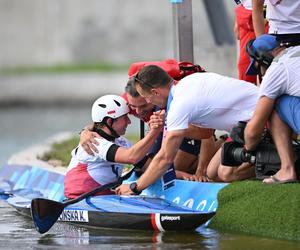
[[219, 22], [183, 30]]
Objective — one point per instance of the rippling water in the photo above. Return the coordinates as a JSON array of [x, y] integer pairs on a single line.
[[17, 231], [25, 126]]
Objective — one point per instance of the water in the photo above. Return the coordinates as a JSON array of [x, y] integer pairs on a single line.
[[20, 233], [17, 231], [21, 127]]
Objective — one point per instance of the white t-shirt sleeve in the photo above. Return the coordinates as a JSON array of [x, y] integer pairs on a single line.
[[178, 116], [103, 148], [275, 81]]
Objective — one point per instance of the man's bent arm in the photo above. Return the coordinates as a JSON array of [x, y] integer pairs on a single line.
[[255, 126], [162, 160]]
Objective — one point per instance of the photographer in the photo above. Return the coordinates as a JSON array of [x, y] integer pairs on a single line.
[[279, 101], [264, 159]]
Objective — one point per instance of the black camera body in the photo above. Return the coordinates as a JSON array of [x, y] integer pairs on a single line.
[[265, 157]]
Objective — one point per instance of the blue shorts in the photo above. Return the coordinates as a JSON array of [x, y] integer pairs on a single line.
[[188, 145], [288, 108]]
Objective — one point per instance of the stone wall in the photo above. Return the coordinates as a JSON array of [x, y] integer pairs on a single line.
[[50, 32]]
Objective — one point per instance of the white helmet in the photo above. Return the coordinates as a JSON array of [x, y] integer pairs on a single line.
[[112, 106]]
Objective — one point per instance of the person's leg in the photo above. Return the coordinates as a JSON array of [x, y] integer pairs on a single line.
[[213, 166], [185, 162], [283, 122], [186, 159], [282, 136], [218, 172], [242, 172], [207, 151]]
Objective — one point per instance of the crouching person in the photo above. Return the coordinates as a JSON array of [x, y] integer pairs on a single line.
[[85, 171], [280, 89]]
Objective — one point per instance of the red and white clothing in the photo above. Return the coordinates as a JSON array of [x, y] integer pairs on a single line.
[[247, 4], [86, 172], [246, 33], [243, 14]]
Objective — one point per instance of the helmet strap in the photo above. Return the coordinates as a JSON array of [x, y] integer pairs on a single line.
[[113, 132], [104, 134], [260, 76]]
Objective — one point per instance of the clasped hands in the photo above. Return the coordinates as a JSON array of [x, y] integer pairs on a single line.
[[157, 120]]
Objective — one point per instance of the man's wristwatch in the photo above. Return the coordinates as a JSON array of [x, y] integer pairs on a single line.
[[133, 188]]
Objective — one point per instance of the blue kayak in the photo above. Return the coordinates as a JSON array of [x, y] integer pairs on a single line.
[[183, 206]]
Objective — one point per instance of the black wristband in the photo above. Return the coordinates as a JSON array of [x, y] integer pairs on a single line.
[[133, 188]]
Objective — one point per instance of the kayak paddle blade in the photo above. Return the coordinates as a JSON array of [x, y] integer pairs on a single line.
[[45, 213]]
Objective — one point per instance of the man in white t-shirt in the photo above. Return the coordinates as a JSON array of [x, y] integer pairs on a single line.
[[280, 87], [206, 100]]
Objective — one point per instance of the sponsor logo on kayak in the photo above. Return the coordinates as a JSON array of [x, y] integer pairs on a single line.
[[74, 215], [169, 218]]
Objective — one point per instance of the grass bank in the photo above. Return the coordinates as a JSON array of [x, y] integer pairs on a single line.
[[61, 152], [264, 210]]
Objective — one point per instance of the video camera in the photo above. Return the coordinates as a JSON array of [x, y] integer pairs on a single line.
[[265, 157]]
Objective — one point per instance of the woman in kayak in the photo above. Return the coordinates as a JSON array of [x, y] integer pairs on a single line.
[[86, 172]]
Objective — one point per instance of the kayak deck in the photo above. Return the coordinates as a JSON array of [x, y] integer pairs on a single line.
[[125, 212], [184, 206]]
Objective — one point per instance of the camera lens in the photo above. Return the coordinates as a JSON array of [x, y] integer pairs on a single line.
[[232, 154], [238, 155]]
